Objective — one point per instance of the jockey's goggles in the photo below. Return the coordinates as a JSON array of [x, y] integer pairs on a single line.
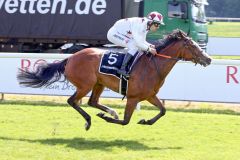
[[156, 24]]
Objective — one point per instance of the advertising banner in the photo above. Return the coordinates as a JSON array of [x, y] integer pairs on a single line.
[[219, 82], [63, 19]]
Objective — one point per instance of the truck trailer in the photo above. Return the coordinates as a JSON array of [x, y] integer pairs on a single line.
[[39, 26]]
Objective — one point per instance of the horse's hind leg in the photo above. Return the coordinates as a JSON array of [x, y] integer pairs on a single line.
[[73, 101], [130, 107], [156, 102], [94, 101]]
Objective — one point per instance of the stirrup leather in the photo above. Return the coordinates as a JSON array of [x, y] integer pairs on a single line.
[[123, 72]]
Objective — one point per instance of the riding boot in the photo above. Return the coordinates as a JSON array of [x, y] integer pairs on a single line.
[[122, 70]]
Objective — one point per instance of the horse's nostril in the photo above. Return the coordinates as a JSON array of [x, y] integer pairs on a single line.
[[209, 61]]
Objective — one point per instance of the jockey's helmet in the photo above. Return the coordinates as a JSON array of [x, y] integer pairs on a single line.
[[155, 17]]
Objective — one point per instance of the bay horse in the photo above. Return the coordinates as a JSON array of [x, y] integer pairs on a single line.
[[147, 76]]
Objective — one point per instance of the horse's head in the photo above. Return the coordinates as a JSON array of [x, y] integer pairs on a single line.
[[188, 50]]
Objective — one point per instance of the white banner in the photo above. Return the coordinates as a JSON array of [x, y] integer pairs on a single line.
[[218, 46], [218, 82]]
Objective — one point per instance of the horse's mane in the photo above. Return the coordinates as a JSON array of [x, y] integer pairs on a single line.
[[168, 39]]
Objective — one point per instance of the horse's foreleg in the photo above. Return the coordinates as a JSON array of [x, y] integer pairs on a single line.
[[94, 100], [73, 101], [130, 107], [156, 102]]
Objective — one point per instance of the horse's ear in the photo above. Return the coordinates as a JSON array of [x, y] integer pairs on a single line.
[[183, 34], [179, 34]]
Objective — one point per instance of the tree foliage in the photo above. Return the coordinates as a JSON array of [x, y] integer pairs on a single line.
[[223, 8]]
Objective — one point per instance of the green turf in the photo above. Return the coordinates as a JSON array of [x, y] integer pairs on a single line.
[[57, 133], [226, 57], [224, 29]]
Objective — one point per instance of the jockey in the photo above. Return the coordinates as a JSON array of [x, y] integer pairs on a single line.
[[131, 33]]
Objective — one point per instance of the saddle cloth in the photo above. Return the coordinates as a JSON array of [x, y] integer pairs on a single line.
[[112, 61]]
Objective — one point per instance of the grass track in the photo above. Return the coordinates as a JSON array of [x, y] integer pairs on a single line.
[[42, 132], [224, 29]]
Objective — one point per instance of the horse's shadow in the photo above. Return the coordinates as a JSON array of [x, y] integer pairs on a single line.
[[89, 144]]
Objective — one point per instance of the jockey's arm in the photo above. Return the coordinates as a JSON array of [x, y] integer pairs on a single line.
[[145, 46], [140, 38]]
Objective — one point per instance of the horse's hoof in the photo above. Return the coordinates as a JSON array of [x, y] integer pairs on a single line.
[[87, 126], [114, 114], [142, 121], [116, 117], [101, 115]]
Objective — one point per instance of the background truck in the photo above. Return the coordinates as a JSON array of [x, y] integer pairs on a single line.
[[46, 25]]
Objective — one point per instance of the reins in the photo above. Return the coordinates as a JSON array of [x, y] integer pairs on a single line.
[[164, 56], [168, 57]]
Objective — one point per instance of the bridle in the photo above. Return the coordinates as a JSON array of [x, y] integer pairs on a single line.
[[187, 44]]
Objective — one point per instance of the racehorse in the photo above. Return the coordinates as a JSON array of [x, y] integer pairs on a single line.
[[147, 76]]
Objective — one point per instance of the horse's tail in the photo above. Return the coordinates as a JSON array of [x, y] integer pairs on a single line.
[[44, 75]]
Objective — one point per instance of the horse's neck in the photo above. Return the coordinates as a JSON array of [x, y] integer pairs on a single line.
[[159, 64], [166, 64]]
